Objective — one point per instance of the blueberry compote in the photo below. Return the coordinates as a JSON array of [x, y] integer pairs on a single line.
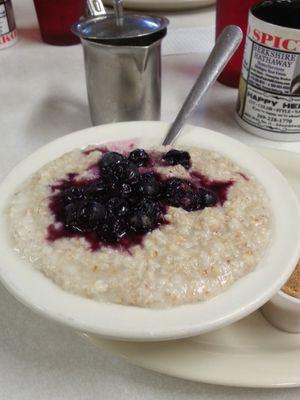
[[128, 198]]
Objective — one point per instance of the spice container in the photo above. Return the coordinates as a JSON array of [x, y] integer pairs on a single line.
[[8, 32], [269, 90]]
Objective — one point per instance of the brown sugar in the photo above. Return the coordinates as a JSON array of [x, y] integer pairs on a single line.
[[292, 286]]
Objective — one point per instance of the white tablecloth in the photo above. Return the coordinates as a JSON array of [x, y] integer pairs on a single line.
[[43, 97]]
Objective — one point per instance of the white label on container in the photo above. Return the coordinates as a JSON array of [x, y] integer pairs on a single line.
[[269, 92], [4, 28]]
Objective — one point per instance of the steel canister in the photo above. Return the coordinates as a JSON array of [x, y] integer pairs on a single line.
[[123, 66]]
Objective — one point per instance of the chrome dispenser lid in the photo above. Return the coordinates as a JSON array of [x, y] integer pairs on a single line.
[[106, 27]]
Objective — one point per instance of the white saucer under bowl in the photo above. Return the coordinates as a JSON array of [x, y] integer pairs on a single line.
[[133, 323]]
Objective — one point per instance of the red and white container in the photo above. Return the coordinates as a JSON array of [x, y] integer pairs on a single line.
[[8, 32], [269, 91]]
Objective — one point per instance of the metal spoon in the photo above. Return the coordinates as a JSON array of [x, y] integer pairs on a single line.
[[118, 7], [225, 46], [95, 8]]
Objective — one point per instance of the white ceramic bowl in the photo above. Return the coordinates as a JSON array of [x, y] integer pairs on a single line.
[[133, 323], [283, 311]]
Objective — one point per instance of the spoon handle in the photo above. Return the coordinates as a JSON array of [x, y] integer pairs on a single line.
[[95, 8], [225, 46], [118, 7]]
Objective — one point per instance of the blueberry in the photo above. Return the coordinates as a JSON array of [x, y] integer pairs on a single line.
[[177, 184], [197, 199], [90, 215], [181, 193], [96, 190], [117, 207], [192, 201], [189, 201], [124, 171], [84, 216], [133, 200], [112, 188], [130, 173], [150, 208], [109, 159], [174, 189], [125, 190], [72, 194], [175, 157], [139, 157], [120, 189], [112, 231], [209, 197], [145, 217], [141, 222], [148, 185], [70, 216]]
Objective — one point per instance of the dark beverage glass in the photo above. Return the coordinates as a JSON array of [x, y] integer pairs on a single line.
[[233, 12], [56, 18]]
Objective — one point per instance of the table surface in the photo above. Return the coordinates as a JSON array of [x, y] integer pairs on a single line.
[[44, 97]]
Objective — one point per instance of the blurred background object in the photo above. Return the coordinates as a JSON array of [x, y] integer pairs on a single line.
[[235, 12], [158, 5], [8, 32], [55, 19]]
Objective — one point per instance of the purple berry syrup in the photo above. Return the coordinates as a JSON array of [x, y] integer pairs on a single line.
[[219, 187], [134, 232]]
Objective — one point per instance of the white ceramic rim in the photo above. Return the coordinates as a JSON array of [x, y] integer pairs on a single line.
[[132, 323], [288, 297]]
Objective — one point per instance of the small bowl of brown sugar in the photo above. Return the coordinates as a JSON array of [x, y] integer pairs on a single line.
[[283, 310], [292, 286]]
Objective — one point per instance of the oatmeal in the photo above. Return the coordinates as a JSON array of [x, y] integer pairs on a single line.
[[153, 228]]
